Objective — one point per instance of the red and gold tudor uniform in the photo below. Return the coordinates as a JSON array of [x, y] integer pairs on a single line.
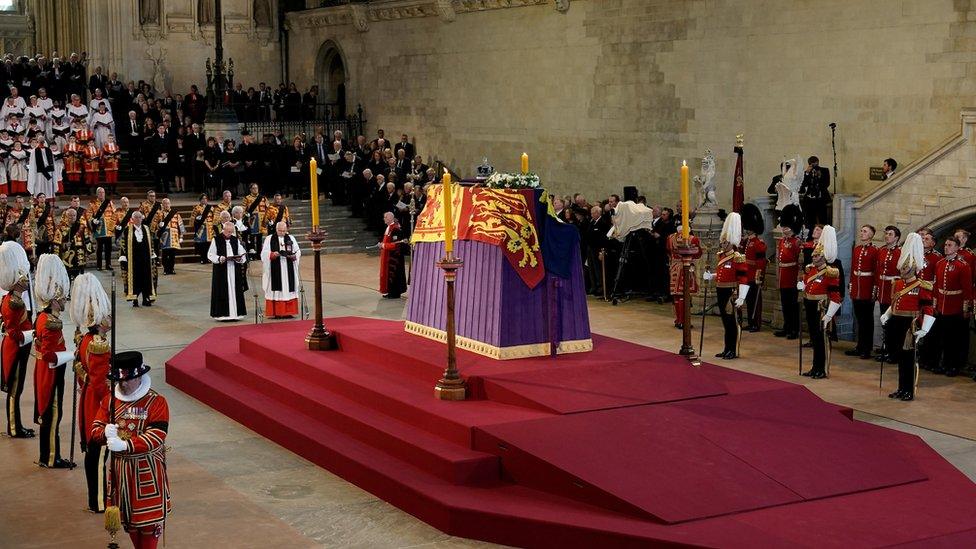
[[139, 485], [94, 354], [862, 287], [676, 280], [788, 251], [886, 272], [49, 386], [730, 273], [911, 301], [821, 288], [16, 321], [952, 304], [755, 256]]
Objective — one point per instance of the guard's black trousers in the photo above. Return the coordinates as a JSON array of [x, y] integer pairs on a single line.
[[788, 298], [952, 350], [864, 316], [103, 249], [169, 260], [50, 421], [95, 456], [15, 388], [897, 330], [754, 305], [726, 306], [818, 341]]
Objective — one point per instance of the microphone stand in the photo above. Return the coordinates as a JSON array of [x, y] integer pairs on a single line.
[[833, 148]]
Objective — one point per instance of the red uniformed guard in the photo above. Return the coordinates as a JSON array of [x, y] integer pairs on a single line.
[[964, 252], [864, 257], [90, 310], [821, 286], [788, 270], [754, 251], [17, 332], [730, 276], [677, 283], [886, 271], [51, 291], [952, 302], [932, 256], [136, 437], [910, 316]]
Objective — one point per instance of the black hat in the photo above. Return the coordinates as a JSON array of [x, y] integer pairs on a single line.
[[752, 219], [245, 132], [792, 217], [128, 365]]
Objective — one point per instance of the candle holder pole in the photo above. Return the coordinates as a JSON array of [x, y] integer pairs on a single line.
[[450, 386], [319, 338]]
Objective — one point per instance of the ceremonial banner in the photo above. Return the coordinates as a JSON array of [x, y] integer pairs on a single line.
[[501, 217], [738, 190]]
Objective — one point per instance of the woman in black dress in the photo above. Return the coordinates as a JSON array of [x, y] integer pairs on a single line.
[[211, 163], [230, 163], [179, 163]]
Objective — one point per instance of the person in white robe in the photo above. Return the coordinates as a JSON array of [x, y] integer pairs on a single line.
[[99, 100], [227, 254], [281, 278], [77, 112], [36, 112], [102, 125], [40, 170]]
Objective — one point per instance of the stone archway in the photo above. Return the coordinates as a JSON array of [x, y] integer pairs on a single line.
[[330, 73]]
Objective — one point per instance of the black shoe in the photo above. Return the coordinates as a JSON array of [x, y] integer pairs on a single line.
[[907, 397], [852, 352], [780, 333], [818, 375], [679, 326], [938, 370], [135, 303], [721, 355], [808, 373], [896, 394], [793, 336], [753, 329], [59, 464], [865, 356], [23, 433], [952, 373], [146, 303], [730, 355]]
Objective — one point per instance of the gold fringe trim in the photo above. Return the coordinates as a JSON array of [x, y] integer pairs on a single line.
[[495, 352]]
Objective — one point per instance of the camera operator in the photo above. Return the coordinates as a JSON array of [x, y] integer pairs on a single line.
[[815, 194]]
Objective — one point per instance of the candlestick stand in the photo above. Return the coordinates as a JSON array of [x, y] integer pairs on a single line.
[[687, 253], [319, 339], [450, 386]]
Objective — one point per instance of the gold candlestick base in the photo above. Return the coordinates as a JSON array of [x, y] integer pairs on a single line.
[[319, 338], [450, 386]]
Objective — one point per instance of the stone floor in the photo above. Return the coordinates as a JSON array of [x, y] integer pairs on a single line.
[[232, 488]]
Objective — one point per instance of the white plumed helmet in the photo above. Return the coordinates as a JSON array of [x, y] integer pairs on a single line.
[[89, 302], [912, 252], [14, 265], [732, 229], [50, 280]]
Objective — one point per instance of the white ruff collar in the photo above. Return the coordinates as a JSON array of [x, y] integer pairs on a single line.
[[144, 385]]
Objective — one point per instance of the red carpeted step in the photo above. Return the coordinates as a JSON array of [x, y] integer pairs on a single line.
[[371, 380], [454, 462]]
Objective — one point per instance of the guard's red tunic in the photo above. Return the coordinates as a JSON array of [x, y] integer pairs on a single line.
[[48, 340]]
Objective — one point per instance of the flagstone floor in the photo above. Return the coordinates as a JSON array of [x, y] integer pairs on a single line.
[[232, 488]]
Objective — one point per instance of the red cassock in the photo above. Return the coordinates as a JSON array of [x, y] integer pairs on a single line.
[[886, 272], [93, 163], [674, 242], [820, 284], [911, 298], [95, 354], [755, 252], [391, 260], [788, 261], [48, 340], [864, 259], [953, 287], [932, 259], [730, 270], [16, 321], [140, 487], [110, 162]]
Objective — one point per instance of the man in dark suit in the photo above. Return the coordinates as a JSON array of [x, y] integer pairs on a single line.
[[815, 194], [318, 150], [404, 145], [264, 101], [401, 167], [97, 81], [597, 244]]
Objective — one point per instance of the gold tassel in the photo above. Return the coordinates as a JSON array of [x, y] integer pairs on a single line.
[[113, 519]]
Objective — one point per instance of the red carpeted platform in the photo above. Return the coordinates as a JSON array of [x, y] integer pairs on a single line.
[[623, 446]]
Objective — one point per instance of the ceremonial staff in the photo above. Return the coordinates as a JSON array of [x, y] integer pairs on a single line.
[[74, 396], [708, 261], [113, 517], [799, 329], [884, 357]]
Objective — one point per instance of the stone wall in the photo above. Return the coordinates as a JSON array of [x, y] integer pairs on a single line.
[[614, 92]]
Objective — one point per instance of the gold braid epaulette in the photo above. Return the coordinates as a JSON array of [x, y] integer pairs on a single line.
[[54, 323], [832, 271], [926, 284], [99, 346], [738, 257], [17, 302]]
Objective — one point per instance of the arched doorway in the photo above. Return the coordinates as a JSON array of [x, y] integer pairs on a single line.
[[330, 73]]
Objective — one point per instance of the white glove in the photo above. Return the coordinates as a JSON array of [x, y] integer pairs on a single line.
[[707, 275], [927, 322], [116, 444], [122, 259], [64, 357], [800, 285], [28, 337], [161, 224], [831, 311], [885, 317], [111, 431], [743, 292]]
